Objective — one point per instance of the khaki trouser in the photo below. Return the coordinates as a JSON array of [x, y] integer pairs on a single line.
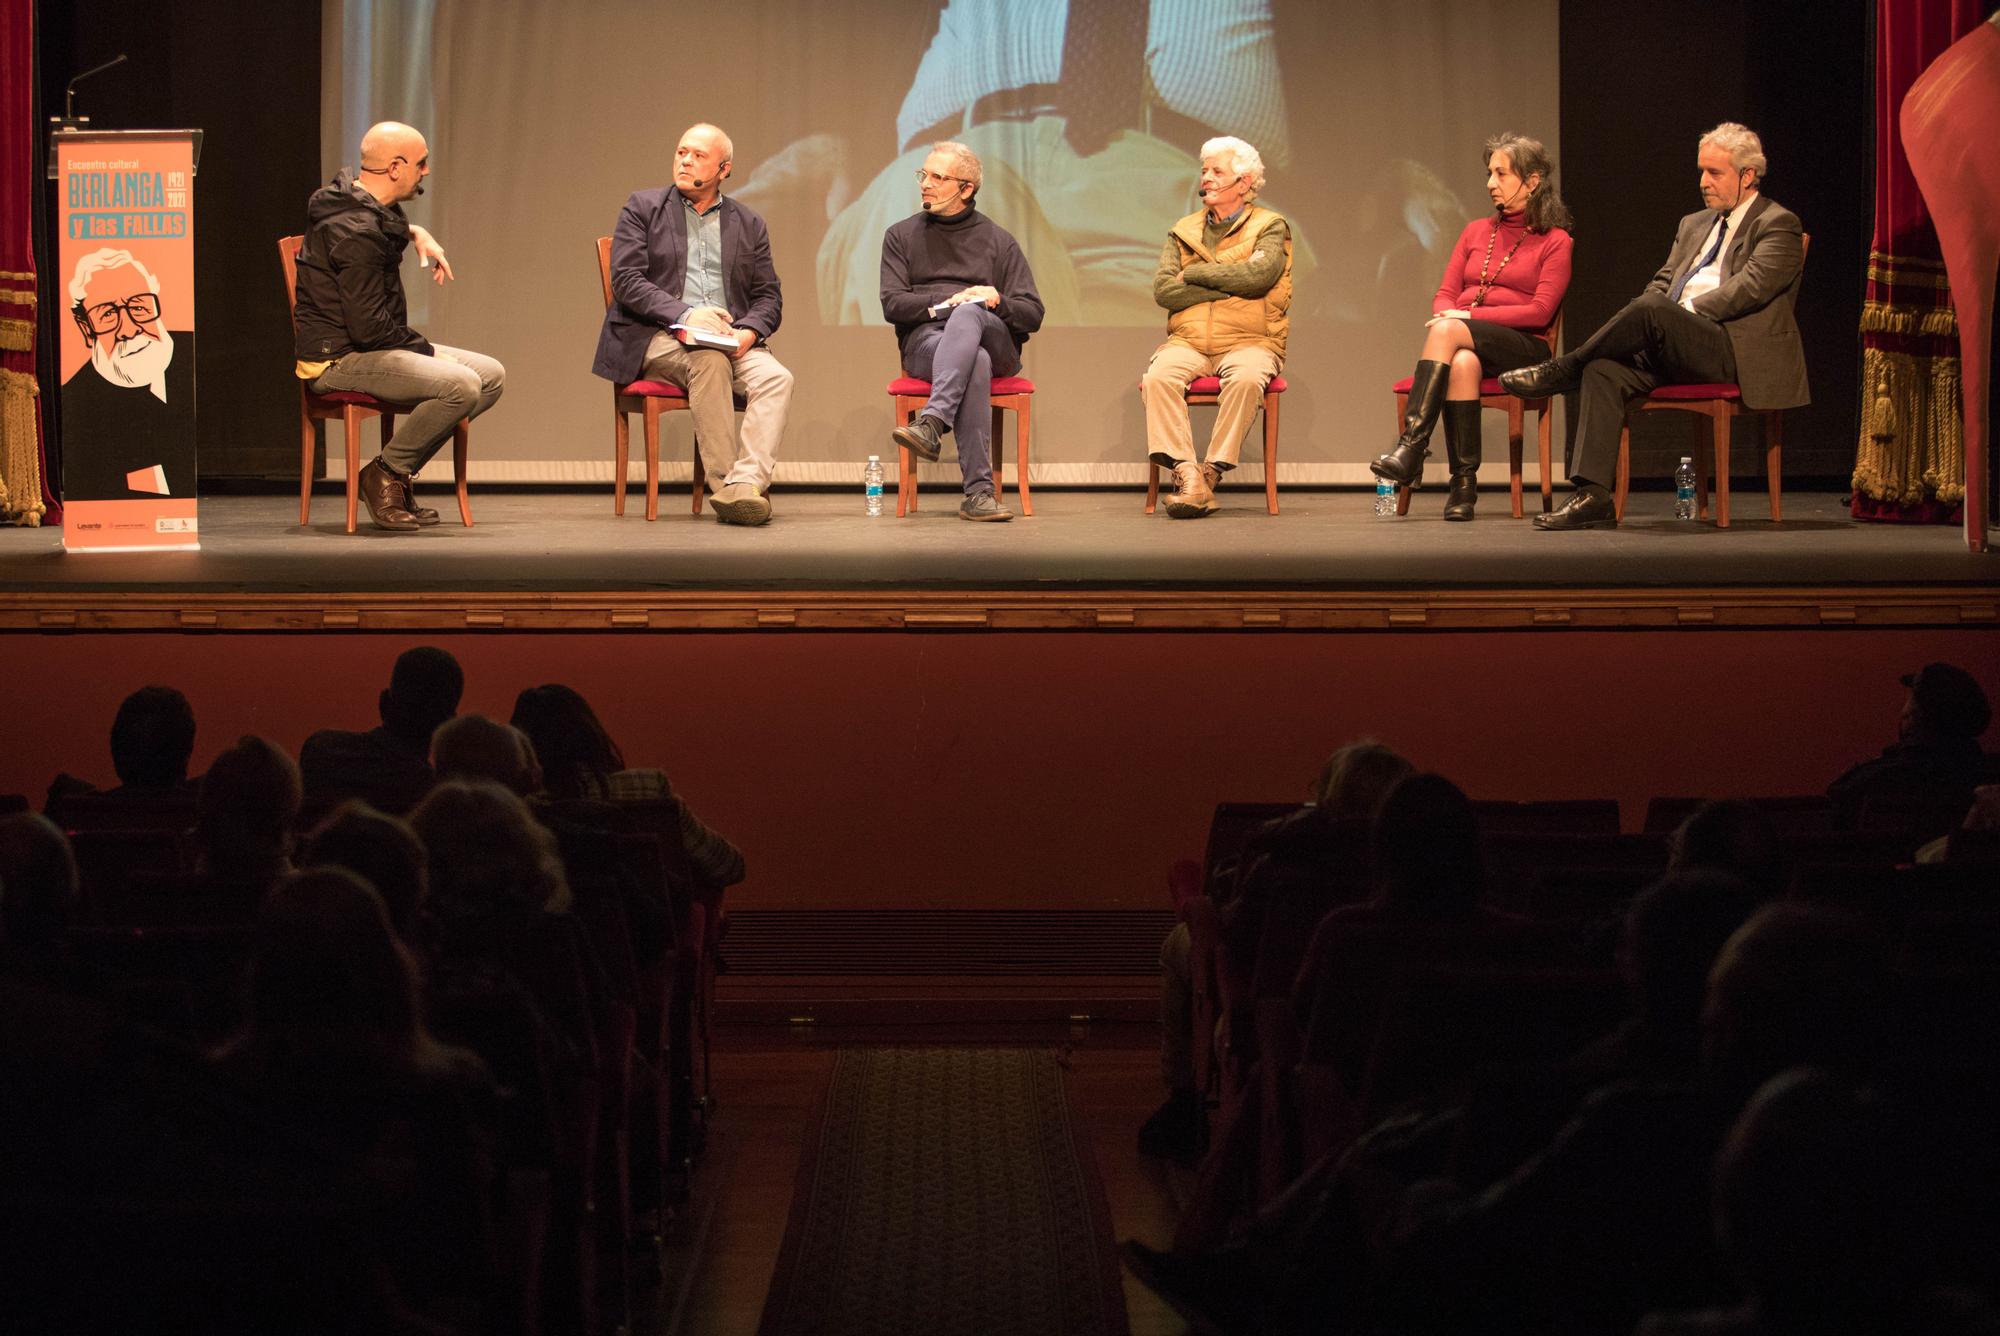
[[1169, 438], [711, 378]]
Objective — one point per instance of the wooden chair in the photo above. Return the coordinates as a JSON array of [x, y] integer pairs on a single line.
[[1009, 392], [1207, 390], [650, 398], [350, 409], [1721, 404], [1516, 409]]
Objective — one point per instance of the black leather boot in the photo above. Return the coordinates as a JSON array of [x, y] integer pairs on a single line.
[[1404, 464], [1461, 447]]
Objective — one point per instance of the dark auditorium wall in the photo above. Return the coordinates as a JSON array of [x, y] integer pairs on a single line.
[[1639, 86], [247, 73], [1045, 770]]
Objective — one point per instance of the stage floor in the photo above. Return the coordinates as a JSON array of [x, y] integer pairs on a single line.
[[561, 558]]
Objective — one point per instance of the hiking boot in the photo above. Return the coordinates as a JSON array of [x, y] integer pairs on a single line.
[[1194, 491]]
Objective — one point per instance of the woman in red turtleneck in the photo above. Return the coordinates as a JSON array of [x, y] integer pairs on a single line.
[[1504, 284]]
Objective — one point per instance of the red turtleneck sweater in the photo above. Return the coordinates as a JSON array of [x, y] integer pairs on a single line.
[[1527, 293]]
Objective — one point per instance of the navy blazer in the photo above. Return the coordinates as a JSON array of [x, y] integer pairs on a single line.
[[649, 268]]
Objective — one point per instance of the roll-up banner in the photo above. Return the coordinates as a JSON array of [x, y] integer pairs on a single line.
[[125, 277]]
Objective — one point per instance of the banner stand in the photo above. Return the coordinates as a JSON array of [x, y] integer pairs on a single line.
[[125, 277]]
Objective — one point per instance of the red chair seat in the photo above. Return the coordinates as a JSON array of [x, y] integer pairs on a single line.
[[1213, 385], [910, 385], [1488, 387], [1696, 392], [655, 389], [350, 397]]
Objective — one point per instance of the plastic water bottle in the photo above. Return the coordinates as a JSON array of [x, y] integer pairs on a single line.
[[871, 481], [1385, 497], [1684, 489]]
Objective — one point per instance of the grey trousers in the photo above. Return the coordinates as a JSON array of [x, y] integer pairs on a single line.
[[441, 389], [960, 355]]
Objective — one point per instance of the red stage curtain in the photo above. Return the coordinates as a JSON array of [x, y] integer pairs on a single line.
[[22, 492], [1910, 462]]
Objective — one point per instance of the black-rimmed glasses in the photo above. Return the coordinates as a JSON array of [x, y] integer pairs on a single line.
[[141, 308]]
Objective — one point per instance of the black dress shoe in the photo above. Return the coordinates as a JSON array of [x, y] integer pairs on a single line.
[[1587, 508], [1539, 381], [921, 437]]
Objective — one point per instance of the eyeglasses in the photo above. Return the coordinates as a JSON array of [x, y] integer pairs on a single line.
[[142, 308], [932, 178]]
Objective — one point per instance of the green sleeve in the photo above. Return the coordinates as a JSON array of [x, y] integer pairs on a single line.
[[1248, 278], [1170, 292]]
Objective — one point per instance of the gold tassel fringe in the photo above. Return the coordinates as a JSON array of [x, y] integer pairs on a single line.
[[20, 460], [1912, 446]]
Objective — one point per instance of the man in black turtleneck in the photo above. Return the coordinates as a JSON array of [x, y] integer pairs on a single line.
[[958, 290]]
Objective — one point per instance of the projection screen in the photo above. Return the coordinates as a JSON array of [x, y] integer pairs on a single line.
[[542, 119]]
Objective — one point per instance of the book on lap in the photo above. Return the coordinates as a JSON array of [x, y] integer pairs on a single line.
[[704, 338]]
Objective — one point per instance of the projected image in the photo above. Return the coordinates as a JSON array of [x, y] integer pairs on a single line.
[[1088, 117]]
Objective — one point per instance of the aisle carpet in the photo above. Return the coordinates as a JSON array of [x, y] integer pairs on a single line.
[[946, 1190]]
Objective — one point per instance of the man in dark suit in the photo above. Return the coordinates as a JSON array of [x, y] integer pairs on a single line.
[[1719, 310], [695, 299]]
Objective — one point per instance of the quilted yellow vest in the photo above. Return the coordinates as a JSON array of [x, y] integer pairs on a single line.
[[1217, 327]]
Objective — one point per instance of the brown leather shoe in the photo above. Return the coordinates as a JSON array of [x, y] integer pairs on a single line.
[[382, 492], [423, 514]]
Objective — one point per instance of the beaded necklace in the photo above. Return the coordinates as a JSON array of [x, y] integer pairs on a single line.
[[1485, 283]]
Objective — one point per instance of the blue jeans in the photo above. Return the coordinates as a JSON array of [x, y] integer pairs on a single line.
[[960, 355]]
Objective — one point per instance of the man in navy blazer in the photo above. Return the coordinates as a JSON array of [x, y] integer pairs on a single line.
[[695, 300], [1719, 310]]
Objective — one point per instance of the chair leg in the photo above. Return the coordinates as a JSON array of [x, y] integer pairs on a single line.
[[461, 446], [652, 429], [1721, 456], [1402, 501], [1704, 462], [1623, 481], [350, 418], [1517, 420], [1152, 485], [1543, 434], [621, 455], [1774, 450], [1021, 455], [306, 442], [998, 452], [1271, 452], [700, 478]]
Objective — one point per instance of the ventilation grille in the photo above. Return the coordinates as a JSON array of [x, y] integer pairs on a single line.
[[945, 942]]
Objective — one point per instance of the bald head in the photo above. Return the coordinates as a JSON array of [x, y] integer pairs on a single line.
[[394, 161], [701, 161]]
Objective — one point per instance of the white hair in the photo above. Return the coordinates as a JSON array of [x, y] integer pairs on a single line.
[[963, 160], [1740, 142], [722, 139], [1244, 161], [99, 260]]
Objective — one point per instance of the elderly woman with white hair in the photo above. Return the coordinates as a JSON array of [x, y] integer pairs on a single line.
[[1225, 279], [1503, 285]]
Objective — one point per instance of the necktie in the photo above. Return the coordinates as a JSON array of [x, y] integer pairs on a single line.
[[1706, 261], [1103, 70]]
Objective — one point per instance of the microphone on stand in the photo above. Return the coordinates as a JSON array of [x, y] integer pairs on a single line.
[[69, 120]]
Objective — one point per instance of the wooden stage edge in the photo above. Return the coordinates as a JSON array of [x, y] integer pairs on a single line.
[[1350, 610]]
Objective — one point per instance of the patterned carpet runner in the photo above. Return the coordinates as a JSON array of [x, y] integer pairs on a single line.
[[947, 1190]]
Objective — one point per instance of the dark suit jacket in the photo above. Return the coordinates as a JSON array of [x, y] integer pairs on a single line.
[[1761, 268], [649, 268]]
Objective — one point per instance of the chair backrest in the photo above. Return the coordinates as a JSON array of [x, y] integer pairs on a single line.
[[604, 268], [1553, 335], [288, 257]]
